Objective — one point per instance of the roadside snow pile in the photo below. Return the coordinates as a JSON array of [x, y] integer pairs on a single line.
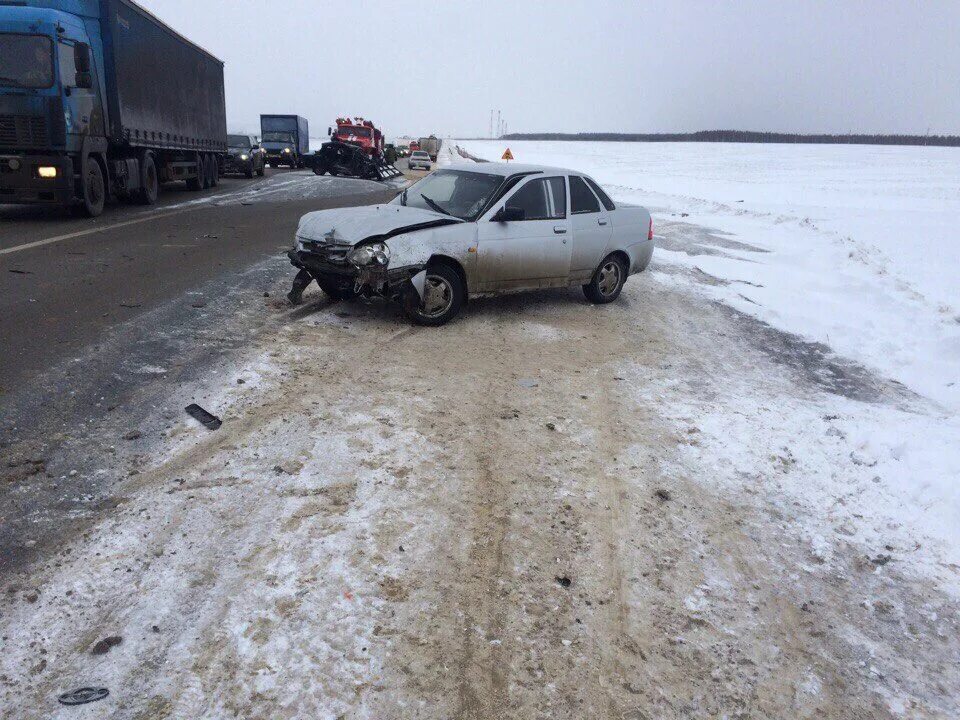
[[449, 155], [852, 246]]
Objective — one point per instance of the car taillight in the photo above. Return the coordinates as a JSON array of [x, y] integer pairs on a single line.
[[650, 233]]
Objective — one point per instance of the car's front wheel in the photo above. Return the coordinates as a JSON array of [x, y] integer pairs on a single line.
[[443, 295], [607, 281]]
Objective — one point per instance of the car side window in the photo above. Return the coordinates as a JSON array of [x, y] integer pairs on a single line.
[[582, 199], [604, 198], [541, 199]]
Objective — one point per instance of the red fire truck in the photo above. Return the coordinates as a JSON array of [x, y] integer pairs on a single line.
[[362, 133]]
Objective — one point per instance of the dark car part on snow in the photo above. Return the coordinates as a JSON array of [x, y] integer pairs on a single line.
[[82, 696], [212, 422]]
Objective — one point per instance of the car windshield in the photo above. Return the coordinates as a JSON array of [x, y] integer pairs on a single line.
[[238, 141], [453, 192], [281, 137], [26, 61], [354, 130]]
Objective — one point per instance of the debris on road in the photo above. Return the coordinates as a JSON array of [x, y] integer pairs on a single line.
[[82, 696], [564, 581], [133, 435], [130, 305], [664, 494], [21, 272], [551, 426], [209, 420], [199, 304], [102, 647]]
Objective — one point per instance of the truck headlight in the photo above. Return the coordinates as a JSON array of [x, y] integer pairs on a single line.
[[47, 172], [372, 254], [286, 150], [244, 157]]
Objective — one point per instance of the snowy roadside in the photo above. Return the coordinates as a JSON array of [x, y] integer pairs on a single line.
[[542, 517], [803, 238]]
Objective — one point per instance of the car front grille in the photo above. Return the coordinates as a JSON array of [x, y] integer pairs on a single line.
[[23, 131], [334, 254]]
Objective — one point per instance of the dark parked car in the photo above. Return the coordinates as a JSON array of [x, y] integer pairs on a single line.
[[244, 156]]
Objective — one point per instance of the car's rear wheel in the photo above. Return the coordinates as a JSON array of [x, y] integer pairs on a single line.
[[607, 281], [443, 295]]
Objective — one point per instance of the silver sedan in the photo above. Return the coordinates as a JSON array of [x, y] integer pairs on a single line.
[[475, 229]]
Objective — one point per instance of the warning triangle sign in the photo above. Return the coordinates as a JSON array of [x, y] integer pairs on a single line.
[[507, 155]]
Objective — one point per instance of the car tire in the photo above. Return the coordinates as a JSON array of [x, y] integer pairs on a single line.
[[248, 174], [607, 282], [444, 295], [94, 189]]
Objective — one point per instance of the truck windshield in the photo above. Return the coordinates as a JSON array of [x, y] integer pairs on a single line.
[[277, 137], [238, 141], [352, 130], [453, 192], [26, 61]]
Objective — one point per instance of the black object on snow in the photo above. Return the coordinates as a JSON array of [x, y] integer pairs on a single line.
[[82, 696], [212, 422]]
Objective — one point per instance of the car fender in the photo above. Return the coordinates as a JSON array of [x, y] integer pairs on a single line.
[[415, 249]]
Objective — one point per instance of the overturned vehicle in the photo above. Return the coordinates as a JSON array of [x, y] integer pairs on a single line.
[[464, 231]]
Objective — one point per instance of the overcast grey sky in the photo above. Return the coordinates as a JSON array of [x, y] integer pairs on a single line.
[[567, 66]]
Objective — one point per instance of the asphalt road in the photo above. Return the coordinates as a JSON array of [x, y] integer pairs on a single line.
[[65, 281]]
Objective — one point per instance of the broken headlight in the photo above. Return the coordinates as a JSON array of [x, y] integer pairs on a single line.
[[372, 254]]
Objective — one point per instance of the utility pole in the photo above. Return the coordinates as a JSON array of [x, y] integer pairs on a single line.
[[491, 125], [499, 127]]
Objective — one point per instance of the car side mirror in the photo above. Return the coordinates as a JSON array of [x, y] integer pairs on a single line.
[[84, 80], [510, 214]]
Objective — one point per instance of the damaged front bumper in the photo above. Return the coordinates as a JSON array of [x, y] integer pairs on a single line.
[[342, 278]]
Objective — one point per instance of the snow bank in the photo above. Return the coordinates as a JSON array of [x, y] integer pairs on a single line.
[[449, 156]]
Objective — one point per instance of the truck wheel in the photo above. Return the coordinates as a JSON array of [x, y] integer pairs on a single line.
[[196, 183], [204, 173], [444, 293], [214, 170], [319, 170], [94, 191], [149, 181]]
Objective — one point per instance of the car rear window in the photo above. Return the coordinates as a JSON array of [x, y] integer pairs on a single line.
[[582, 200], [604, 198]]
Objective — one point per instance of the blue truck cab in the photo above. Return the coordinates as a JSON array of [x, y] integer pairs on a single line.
[[93, 105], [50, 102]]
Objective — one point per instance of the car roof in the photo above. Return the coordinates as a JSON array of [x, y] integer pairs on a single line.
[[508, 169]]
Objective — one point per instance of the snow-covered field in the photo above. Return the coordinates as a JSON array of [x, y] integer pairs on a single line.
[[854, 247]]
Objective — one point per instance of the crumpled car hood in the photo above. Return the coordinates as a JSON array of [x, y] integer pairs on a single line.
[[351, 225]]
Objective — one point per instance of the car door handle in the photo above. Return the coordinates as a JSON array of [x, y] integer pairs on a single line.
[[560, 230], [601, 221]]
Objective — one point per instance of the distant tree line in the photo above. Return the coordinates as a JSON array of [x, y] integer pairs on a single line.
[[746, 136]]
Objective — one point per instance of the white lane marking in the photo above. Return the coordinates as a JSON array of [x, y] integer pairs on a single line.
[[246, 193], [91, 231]]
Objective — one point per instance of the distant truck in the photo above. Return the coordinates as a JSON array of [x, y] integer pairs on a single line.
[[286, 138], [98, 100], [431, 146]]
